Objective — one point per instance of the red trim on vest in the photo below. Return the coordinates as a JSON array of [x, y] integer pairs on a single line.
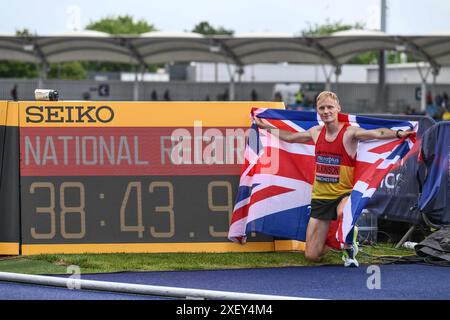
[[324, 147]]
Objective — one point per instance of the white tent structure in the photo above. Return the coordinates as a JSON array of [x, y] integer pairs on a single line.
[[243, 49]]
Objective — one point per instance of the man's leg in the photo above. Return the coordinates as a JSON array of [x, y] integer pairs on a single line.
[[340, 208], [331, 241], [340, 211], [350, 250], [316, 234]]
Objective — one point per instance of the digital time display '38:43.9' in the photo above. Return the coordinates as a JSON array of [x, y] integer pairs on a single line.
[[115, 209]]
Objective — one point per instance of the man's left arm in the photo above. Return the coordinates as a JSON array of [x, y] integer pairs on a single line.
[[381, 134]]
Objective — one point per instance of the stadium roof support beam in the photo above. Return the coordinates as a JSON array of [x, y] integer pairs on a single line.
[[421, 52], [322, 50], [327, 77], [229, 54], [423, 86], [434, 68], [330, 58], [337, 73], [139, 69], [38, 52], [227, 51]]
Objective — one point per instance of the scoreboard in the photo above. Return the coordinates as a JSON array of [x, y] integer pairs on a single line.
[[130, 176]]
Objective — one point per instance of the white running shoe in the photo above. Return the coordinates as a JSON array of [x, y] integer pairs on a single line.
[[349, 254]]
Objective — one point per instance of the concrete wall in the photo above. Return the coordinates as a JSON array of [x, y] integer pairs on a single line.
[[355, 97]]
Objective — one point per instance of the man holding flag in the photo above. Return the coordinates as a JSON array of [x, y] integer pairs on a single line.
[[335, 149]]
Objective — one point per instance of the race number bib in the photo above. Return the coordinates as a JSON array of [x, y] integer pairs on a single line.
[[328, 168]]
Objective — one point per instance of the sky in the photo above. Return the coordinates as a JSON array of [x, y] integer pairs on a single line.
[[243, 16]]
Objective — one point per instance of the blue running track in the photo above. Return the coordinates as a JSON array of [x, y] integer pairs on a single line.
[[398, 282]]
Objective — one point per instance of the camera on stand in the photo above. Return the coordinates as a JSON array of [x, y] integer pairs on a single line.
[[46, 95]]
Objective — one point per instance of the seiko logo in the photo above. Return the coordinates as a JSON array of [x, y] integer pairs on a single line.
[[69, 114]]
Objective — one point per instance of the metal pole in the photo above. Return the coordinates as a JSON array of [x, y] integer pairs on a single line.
[[42, 75], [337, 72], [434, 83], [381, 97], [405, 237], [137, 288], [231, 84], [216, 72], [383, 15], [141, 82], [423, 87], [435, 73], [423, 102], [232, 87], [136, 84], [327, 78]]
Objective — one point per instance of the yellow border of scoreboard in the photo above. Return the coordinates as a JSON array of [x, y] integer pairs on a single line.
[[9, 116], [30, 249], [134, 114], [9, 113], [140, 114], [9, 248], [191, 247]]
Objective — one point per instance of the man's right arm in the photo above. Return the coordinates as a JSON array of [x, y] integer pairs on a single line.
[[284, 134]]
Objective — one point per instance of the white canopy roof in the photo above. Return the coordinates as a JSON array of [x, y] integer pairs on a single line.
[[242, 49]]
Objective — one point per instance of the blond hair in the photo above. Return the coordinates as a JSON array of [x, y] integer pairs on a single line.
[[327, 94]]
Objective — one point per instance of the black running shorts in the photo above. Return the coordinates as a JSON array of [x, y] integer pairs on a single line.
[[325, 209]]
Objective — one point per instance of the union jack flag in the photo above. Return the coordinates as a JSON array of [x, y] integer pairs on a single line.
[[275, 187]]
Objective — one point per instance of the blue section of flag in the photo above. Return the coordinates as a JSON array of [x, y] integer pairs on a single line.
[[243, 193], [287, 224], [254, 140], [401, 151], [358, 203], [370, 123], [303, 119]]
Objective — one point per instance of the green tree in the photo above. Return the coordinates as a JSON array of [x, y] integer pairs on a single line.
[[328, 28], [73, 70], [121, 25], [19, 69], [205, 28], [118, 25], [23, 33], [369, 57]]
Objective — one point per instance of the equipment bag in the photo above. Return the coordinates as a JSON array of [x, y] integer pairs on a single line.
[[436, 247]]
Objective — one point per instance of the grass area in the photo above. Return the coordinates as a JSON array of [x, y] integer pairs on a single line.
[[97, 263]]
